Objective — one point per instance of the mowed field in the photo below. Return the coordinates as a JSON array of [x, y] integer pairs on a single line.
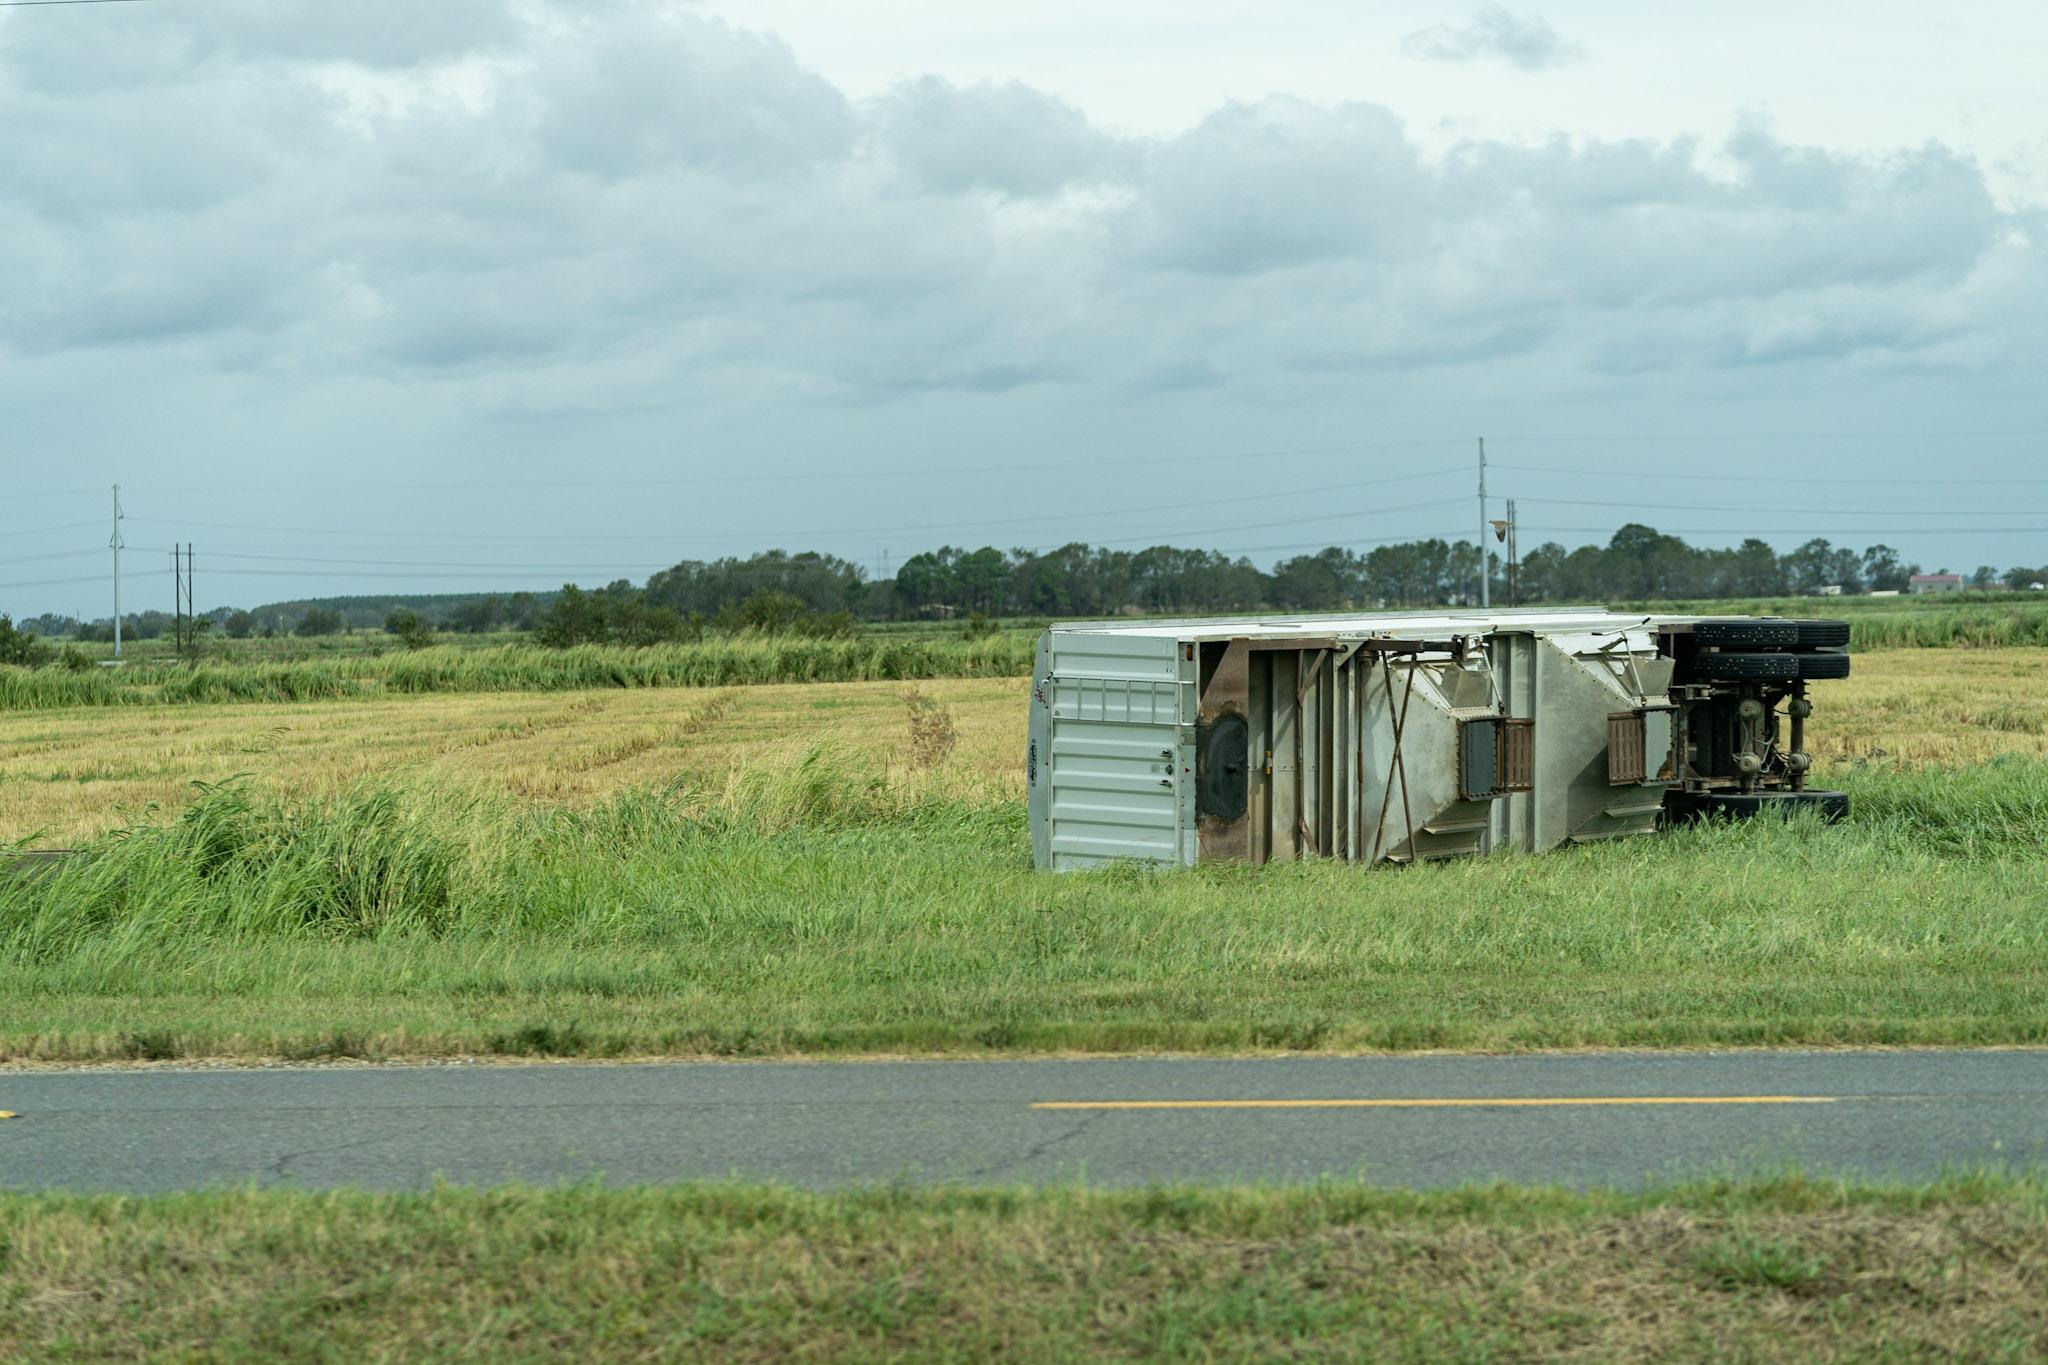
[[68, 775]]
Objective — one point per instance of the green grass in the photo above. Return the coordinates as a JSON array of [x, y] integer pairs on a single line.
[[717, 662], [1930, 621], [373, 665], [1791, 1268], [360, 642], [821, 913]]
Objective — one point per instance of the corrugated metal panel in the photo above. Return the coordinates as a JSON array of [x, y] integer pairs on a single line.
[[1113, 793], [1081, 654], [1518, 754], [1624, 748], [1116, 699], [1117, 712]]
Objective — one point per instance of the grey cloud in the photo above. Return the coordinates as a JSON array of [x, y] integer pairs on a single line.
[[1280, 184], [1526, 41], [639, 204], [1009, 138], [373, 33], [645, 91], [164, 44]]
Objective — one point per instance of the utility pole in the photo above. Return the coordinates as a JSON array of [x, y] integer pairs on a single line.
[[114, 543], [184, 611], [1485, 592], [1514, 558]]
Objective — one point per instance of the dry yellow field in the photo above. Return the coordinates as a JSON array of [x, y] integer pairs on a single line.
[[1913, 707], [68, 774]]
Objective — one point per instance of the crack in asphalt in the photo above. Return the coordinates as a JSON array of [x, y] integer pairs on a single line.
[[1039, 1148], [277, 1168]]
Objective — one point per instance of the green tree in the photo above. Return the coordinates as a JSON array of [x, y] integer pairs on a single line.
[[478, 615], [523, 610], [1882, 570], [412, 632], [1325, 581], [320, 621], [1807, 568], [21, 647], [575, 618]]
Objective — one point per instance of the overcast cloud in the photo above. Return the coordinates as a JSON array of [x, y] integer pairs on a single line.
[[485, 236], [1527, 41]]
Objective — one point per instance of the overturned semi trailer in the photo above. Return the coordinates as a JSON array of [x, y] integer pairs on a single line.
[[1412, 735]]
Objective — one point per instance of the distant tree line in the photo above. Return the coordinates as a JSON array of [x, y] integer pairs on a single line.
[[819, 594], [1638, 562]]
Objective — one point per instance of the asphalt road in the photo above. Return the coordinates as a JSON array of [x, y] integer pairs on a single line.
[[1603, 1119]]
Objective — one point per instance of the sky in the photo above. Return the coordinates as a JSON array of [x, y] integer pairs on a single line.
[[391, 296]]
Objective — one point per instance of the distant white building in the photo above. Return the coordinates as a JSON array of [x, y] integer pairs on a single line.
[[1935, 582]]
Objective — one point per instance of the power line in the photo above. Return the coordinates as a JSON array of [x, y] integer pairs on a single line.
[[426, 563], [1779, 436], [1250, 549], [614, 568], [1804, 530], [61, 554], [1772, 478], [1814, 512], [929, 471], [88, 578], [408, 574], [1350, 515], [944, 528], [1448, 536], [46, 530], [27, 4]]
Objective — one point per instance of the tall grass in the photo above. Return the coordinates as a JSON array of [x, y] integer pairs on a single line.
[[720, 662], [822, 910], [1971, 626], [1977, 621], [880, 656]]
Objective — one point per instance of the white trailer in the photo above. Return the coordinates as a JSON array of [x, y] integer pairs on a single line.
[[1398, 736]]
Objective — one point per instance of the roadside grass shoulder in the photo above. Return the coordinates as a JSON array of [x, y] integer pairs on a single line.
[[819, 910], [1786, 1268]]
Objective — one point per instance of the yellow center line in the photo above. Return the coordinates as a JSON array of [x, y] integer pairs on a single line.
[[1467, 1102]]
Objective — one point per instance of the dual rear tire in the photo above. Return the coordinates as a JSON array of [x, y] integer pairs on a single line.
[[1770, 650]]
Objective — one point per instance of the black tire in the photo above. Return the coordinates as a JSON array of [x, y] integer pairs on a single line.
[[1832, 807], [1823, 665], [1746, 633], [1743, 667], [1822, 634]]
